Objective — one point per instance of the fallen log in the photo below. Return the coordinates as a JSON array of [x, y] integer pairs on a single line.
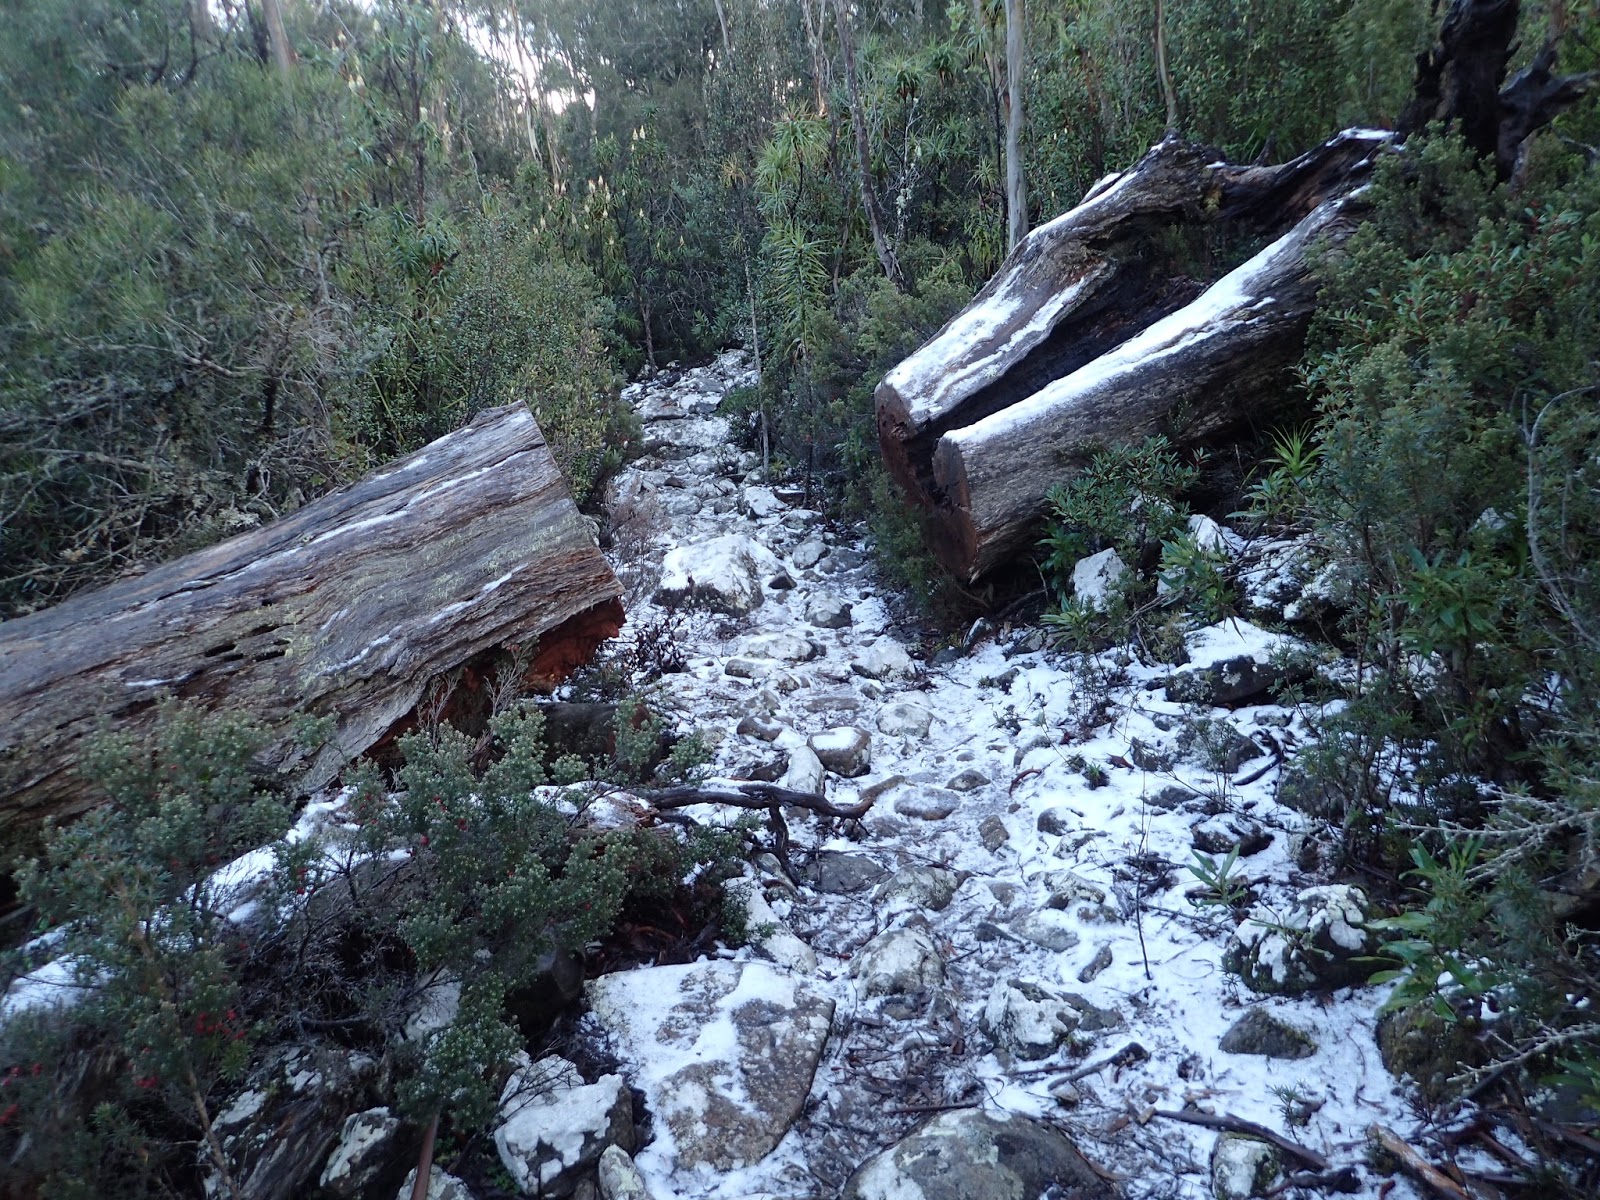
[[1080, 285], [353, 607], [1191, 375], [1083, 291]]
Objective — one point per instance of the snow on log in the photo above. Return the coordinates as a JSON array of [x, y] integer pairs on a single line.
[[1081, 284], [1191, 374], [349, 607]]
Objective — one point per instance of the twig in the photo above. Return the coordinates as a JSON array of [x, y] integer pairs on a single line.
[[1415, 1165], [758, 796], [914, 1109], [1238, 1125], [1129, 1054]]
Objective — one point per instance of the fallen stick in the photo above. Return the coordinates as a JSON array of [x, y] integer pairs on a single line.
[[758, 796], [1249, 1128], [1416, 1166], [1345, 1179]]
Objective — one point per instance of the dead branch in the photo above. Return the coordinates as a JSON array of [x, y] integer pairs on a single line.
[[1250, 1129]]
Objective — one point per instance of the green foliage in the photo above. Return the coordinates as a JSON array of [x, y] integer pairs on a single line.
[[1126, 500], [1221, 883]]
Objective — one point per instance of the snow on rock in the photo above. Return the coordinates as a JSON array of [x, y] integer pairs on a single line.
[[1027, 1019], [845, 750], [1094, 577], [904, 720], [1233, 662], [760, 502], [365, 1151], [554, 1126], [775, 939], [724, 1052], [971, 1153], [928, 888], [898, 962], [441, 1186], [828, 612], [1263, 1032], [805, 772], [1318, 941], [619, 1178], [808, 553], [884, 659], [724, 574], [1242, 1167]]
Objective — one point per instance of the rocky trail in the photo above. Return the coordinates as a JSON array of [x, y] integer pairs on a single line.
[[1008, 958]]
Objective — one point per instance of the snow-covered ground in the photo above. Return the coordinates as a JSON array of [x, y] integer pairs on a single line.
[[998, 792]]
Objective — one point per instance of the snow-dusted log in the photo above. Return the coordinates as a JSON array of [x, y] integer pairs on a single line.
[[1190, 375], [351, 607], [1080, 285]]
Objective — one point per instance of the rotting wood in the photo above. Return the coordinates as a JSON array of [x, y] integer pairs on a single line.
[[1414, 1165], [351, 607]]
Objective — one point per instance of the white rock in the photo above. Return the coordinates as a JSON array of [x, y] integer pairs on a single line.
[[928, 803], [365, 1148], [775, 939], [441, 1186], [884, 659], [759, 502], [786, 647], [1028, 1019], [723, 574], [898, 962], [845, 750], [828, 612], [619, 1178], [551, 1129], [805, 773], [808, 553], [1093, 578], [904, 720], [437, 1007], [1049, 928]]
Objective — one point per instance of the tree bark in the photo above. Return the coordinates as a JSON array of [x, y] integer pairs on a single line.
[[1016, 179], [1082, 284], [1192, 375], [858, 120], [278, 36], [1169, 94], [353, 607]]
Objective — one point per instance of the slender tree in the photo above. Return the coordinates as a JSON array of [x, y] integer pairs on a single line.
[[278, 36], [1016, 181], [858, 119]]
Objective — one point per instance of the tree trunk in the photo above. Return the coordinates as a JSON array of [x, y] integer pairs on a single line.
[[1168, 93], [858, 119], [278, 36], [353, 607], [1192, 375], [1016, 182], [1082, 284]]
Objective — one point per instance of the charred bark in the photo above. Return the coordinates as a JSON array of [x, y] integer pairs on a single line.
[[353, 607]]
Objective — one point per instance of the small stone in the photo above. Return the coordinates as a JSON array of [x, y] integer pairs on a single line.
[[988, 931], [366, 1149], [1220, 834], [840, 874], [1262, 1033], [747, 668], [1027, 1019], [1063, 889], [1097, 964], [828, 612], [619, 1178], [1148, 757], [992, 832], [759, 502], [946, 656], [1058, 821], [552, 1131], [780, 580], [928, 804], [968, 781], [931, 888], [1172, 797], [805, 773], [1242, 1167], [1323, 940], [441, 1186], [786, 647], [1036, 739], [1048, 928], [904, 720], [1094, 577], [808, 553], [764, 728], [845, 750], [898, 962], [885, 659]]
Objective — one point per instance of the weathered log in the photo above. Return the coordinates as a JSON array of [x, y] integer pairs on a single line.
[[1080, 285], [1191, 375], [349, 608]]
